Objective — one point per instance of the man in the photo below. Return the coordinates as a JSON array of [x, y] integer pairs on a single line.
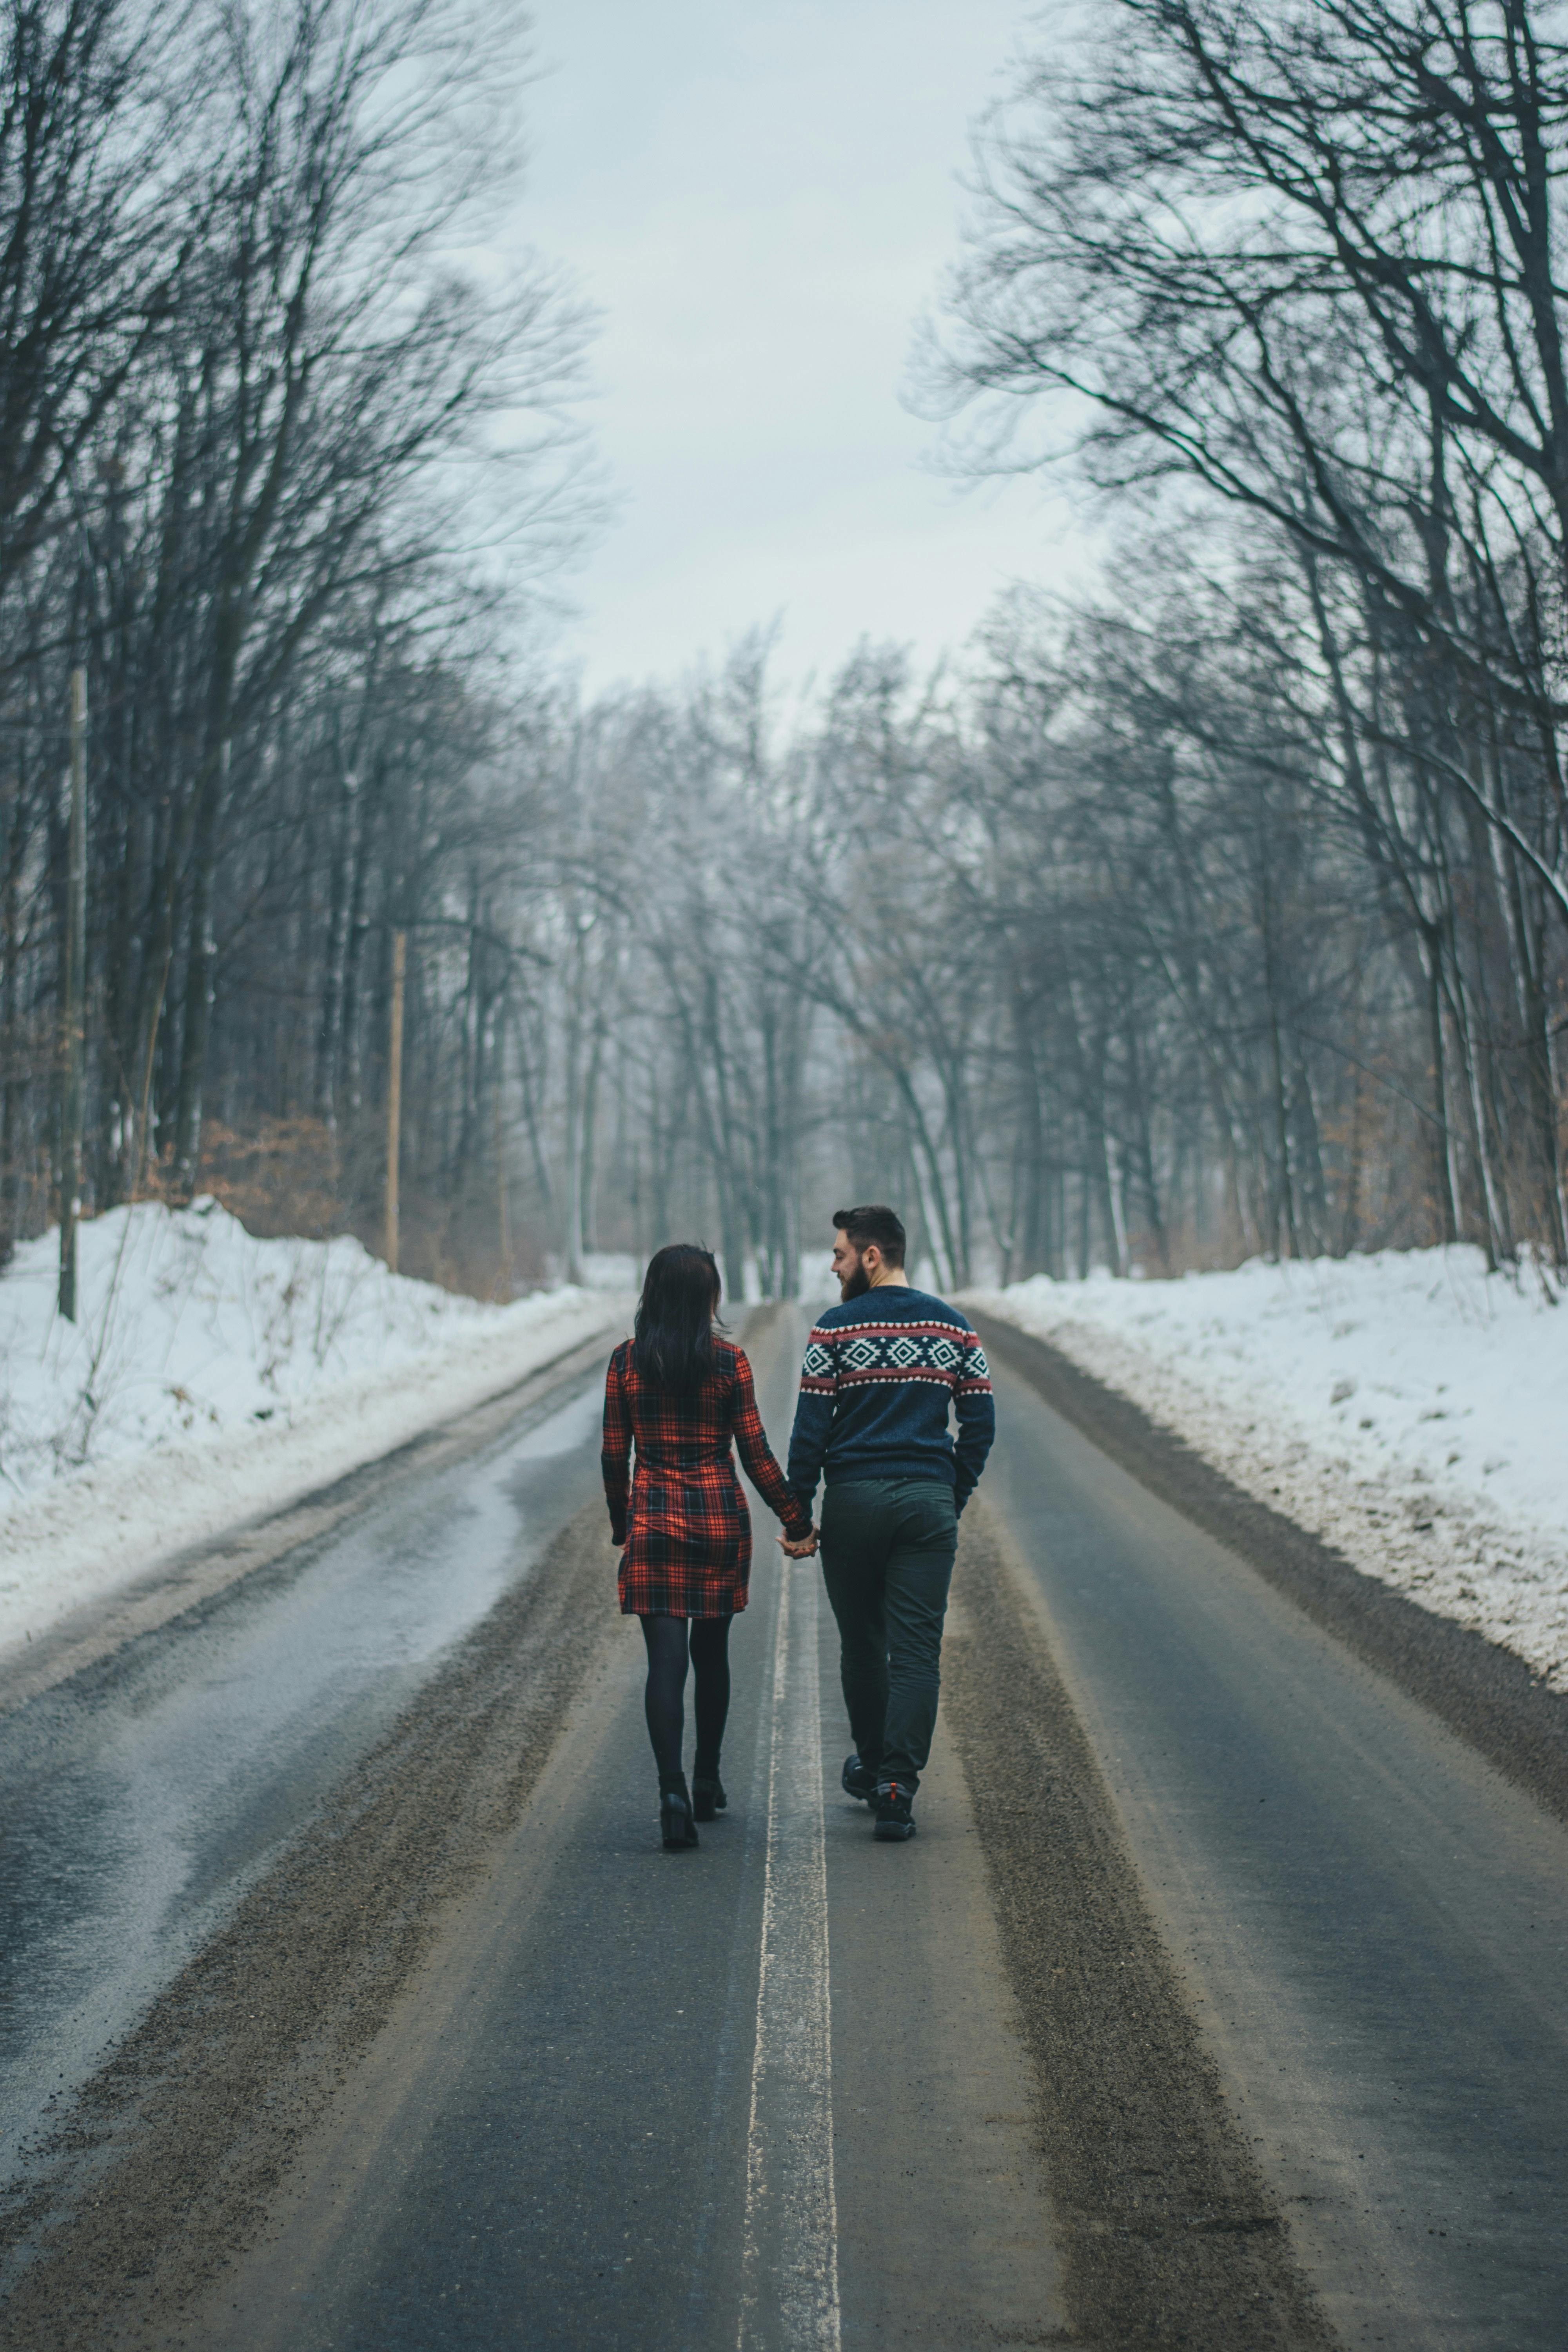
[[881, 1371]]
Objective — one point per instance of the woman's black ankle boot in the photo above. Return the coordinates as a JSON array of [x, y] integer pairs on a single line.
[[676, 1824], [707, 1798]]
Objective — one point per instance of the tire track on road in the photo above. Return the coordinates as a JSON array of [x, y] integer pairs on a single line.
[[1167, 2230]]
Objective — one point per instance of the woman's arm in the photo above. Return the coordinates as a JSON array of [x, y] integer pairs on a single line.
[[757, 1454], [614, 1460]]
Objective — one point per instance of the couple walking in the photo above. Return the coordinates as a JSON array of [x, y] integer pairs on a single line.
[[882, 1369]]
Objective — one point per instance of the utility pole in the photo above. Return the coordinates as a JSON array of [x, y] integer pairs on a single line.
[[73, 1018], [503, 1217], [394, 1094]]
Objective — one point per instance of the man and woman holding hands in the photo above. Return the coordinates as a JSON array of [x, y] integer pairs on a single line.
[[884, 1370]]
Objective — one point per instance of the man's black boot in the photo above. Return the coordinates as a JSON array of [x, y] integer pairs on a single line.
[[894, 1809], [859, 1780]]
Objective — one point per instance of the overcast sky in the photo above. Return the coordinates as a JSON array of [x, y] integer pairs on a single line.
[[761, 196]]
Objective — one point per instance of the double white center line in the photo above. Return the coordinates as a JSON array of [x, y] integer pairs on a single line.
[[791, 2293]]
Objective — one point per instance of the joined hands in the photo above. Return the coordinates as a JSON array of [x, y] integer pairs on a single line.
[[800, 1548]]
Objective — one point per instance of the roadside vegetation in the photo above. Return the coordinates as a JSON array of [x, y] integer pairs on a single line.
[[1223, 913]]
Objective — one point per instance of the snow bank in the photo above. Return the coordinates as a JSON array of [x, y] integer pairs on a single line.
[[210, 1377], [1409, 1407]]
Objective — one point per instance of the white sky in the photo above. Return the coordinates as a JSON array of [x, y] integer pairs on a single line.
[[761, 196]]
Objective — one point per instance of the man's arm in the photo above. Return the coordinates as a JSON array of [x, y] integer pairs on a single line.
[[976, 1410], [812, 1414]]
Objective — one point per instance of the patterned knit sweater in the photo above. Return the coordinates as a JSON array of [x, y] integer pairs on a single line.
[[880, 1373]]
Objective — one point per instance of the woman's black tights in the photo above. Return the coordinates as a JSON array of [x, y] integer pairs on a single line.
[[667, 1638]]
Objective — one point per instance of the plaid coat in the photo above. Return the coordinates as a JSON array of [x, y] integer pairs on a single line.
[[687, 1530]]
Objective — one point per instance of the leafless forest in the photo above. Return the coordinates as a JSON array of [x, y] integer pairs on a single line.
[[1225, 913]]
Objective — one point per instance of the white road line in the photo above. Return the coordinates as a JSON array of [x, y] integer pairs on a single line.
[[790, 2242]]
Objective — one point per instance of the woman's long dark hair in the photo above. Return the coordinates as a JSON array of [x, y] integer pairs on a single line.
[[673, 1341]]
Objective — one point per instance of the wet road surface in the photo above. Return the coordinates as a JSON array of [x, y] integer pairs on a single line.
[[792, 2089], [140, 1802]]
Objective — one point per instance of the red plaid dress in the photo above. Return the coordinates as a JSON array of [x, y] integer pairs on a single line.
[[688, 1532]]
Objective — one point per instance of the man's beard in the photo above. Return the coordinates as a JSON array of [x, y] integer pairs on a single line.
[[858, 1284]]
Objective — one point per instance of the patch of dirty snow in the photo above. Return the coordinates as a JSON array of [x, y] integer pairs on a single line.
[[210, 1377], [1409, 1407]]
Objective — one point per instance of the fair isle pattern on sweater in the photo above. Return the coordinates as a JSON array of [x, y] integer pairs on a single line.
[[882, 1373], [948, 1353]]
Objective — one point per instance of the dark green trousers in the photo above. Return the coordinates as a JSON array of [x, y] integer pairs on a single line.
[[888, 1545]]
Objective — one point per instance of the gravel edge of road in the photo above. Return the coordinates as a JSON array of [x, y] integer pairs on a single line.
[[184, 2133], [1484, 1694], [1167, 2231]]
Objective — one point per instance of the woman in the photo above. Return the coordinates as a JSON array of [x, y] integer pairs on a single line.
[[683, 1392]]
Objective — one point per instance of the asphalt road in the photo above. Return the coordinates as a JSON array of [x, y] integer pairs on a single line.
[[1368, 1922], [1220, 2000], [767, 2093]]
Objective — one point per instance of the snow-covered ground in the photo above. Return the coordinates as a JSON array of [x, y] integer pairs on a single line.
[[210, 1377], [1409, 1407]]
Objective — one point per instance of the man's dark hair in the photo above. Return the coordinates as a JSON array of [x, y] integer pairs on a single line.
[[863, 1226]]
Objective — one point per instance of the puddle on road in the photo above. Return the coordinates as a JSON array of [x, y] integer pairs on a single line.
[[136, 1816]]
